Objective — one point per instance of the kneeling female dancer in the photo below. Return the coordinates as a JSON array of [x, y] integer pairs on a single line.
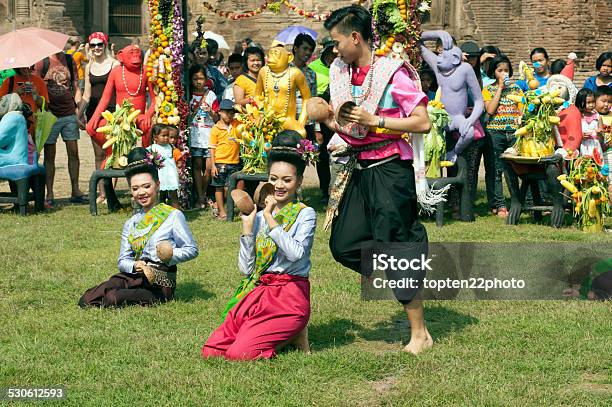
[[272, 305], [153, 242]]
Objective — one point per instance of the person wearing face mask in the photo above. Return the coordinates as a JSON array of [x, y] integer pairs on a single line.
[[272, 304], [153, 242], [541, 66]]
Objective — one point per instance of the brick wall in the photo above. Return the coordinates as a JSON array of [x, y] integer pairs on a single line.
[[261, 28], [561, 27], [516, 26]]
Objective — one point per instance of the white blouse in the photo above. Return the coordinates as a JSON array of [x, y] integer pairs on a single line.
[[174, 229], [294, 246]]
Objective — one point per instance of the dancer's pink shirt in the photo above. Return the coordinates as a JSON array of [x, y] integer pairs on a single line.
[[399, 100]]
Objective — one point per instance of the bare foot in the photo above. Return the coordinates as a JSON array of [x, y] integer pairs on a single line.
[[419, 344], [301, 341]]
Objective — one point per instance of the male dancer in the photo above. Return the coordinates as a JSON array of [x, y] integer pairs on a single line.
[[375, 198]]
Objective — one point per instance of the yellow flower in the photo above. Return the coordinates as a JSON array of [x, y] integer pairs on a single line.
[[166, 108]]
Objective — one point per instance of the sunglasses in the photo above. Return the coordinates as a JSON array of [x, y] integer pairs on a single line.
[[96, 45]]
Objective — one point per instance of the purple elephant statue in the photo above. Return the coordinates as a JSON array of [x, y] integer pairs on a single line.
[[455, 78]]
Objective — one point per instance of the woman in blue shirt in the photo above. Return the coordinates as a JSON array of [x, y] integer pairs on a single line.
[[541, 65], [604, 77], [153, 242]]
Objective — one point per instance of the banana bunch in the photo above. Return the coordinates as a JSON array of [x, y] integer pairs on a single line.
[[121, 133]]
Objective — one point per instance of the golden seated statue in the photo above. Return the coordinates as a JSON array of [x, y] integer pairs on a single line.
[[278, 81]]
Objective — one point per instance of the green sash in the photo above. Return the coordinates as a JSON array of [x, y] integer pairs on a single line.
[[265, 251], [142, 232]]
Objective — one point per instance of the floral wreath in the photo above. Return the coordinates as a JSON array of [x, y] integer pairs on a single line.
[[306, 149], [152, 158]]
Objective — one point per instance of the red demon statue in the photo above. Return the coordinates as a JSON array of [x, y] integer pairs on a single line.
[[126, 81]]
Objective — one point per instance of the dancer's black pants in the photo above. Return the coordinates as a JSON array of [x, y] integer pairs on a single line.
[[379, 205]]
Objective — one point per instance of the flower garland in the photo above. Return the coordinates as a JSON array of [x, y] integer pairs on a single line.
[[272, 5], [164, 71], [399, 21]]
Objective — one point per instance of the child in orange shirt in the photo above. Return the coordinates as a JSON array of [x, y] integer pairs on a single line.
[[225, 154]]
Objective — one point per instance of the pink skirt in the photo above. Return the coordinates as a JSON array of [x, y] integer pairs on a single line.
[[272, 313]]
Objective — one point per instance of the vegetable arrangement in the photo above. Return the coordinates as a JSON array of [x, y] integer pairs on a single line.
[[435, 144], [588, 185], [121, 133], [536, 137], [259, 124]]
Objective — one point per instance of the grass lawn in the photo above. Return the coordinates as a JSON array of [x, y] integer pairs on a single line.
[[504, 353]]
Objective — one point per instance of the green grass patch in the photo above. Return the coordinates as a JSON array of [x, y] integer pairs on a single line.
[[485, 353]]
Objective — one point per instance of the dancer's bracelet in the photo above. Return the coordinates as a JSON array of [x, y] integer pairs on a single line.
[[381, 122]]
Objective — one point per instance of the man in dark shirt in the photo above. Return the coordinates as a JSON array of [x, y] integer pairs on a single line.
[[64, 95]]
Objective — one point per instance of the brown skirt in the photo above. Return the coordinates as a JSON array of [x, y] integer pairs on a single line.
[[125, 289]]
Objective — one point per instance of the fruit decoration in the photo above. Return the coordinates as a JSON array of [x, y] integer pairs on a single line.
[[527, 74], [587, 184], [270, 5], [399, 21], [164, 70], [435, 143], [258, 125], [536, 137], [121, 133]]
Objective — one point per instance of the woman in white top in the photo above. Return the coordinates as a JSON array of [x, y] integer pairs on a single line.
[[272, 304]]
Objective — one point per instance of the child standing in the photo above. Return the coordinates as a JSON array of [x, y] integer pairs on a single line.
[[203, 109], [173, 132], [504, 120], [168, 174], [585, 102], [224, 154]]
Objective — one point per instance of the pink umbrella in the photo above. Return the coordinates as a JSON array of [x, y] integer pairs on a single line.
[[25, 47]]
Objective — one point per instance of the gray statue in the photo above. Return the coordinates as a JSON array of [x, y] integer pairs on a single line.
[[455, 78]]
